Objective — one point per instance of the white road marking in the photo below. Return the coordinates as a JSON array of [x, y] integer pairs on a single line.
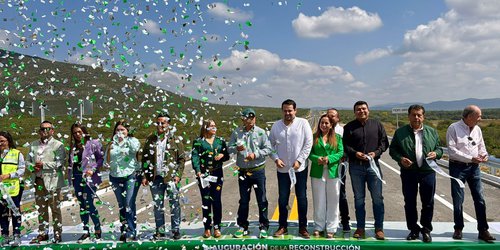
[[437, 197]]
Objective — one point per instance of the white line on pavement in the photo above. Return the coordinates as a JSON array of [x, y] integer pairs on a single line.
[[437, 197]]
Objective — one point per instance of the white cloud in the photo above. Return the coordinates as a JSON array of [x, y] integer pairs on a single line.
[[308, 83], [372, 55], [82, 59], [150, 27], [222, 11], [336, 21], [456, 56]]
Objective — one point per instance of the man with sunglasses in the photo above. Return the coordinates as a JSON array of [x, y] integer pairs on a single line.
[[466, 151], [251, 146], [162, 167], [46, 161]]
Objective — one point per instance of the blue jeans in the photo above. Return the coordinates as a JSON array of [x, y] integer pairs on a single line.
[[284, 196], [414, 182], [211, 200], [257, 181], [85, 198], [125, 189], [362, 176], [5, 213], [472, 176], [158, 190]]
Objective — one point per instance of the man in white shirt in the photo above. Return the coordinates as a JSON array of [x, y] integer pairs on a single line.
[[291, 139], [466, 150]]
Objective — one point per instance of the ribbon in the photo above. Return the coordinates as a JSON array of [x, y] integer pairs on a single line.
[[374, 167], [8, 198], [205, 181], [88, 180], [342, 174], [437, 169], [293, 178]]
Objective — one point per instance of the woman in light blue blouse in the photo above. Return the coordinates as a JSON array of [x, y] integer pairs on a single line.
[[121, 155]]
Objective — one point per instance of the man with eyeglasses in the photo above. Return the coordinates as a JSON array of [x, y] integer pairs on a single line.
[[46, 160], [466, 151], [162, 167], [251, 146]]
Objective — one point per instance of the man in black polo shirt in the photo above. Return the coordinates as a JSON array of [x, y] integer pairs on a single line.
[[365, 140]]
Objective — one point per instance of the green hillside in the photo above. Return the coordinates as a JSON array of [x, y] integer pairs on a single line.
[[62, 86]]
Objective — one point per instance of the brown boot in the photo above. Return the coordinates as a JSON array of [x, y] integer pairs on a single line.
[[304, 233], [379, 234], [280, 232], [217, 233], [359, 233], [207, 233]]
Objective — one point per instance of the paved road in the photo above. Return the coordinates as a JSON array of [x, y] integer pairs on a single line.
[[192, 210]]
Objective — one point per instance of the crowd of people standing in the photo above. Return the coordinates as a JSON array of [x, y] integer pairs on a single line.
[[325, 155]]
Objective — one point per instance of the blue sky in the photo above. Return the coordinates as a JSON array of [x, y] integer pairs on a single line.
[[319, 53]]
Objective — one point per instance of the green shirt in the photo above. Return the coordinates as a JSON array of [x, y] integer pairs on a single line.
[[334, 155], [203, 154]]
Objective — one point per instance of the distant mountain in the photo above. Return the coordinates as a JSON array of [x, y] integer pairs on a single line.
[[445, 105]]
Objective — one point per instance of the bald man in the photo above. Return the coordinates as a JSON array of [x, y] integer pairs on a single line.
[[466, 150]]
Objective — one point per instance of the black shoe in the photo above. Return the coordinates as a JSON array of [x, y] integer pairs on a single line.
[[176, 235], [98, 236], [57, 238], [486, 236], [83, 237], [412, 236], [159, 236], [346, 228], [39, 238], [426, 236], [457, 235], [123, 237]]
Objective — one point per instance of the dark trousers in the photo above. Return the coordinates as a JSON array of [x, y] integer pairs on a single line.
[[6, 213], [343, 205], [413, 183], [284, 196], [85, 198], [257, 181], [211, 201], [471, 175]]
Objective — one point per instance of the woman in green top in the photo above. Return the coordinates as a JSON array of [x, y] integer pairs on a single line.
[[121, 155], [209, 152], [325, 157]]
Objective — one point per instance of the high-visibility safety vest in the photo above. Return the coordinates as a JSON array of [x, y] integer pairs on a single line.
[[9, 165]]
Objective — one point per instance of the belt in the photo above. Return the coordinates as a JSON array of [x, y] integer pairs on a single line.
[[469, 164], [251, 170], [359, 162]]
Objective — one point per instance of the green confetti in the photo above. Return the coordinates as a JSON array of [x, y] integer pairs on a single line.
[[249, 24]]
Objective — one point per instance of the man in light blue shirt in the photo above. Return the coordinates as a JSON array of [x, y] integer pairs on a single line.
[[251, 146]]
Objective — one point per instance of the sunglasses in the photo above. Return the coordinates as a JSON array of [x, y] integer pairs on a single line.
[[45, 129], [472, 141]]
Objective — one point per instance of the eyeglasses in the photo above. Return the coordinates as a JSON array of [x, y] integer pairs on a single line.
[[471, 140], [161, 123], [45, 129]]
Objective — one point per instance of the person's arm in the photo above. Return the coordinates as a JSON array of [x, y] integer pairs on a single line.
[[347, 141], [394, 148], [181, 159], [274, 142], [306, 143], [437, 146], [195, 156], [336, 155], [224, 151], [383, 142], [98, 154], [264, 148], [481, 147], [313, 156], [232, 142], [21, 168]]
